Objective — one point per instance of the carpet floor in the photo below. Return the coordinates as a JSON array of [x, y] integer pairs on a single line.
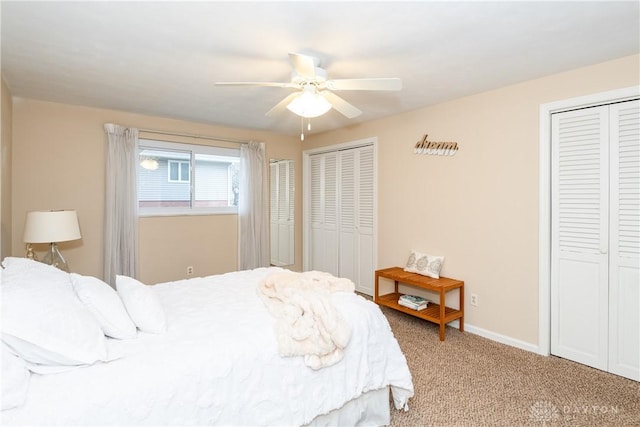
[[468, 380]]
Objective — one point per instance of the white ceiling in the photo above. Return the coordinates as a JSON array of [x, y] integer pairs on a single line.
[[162, 58]]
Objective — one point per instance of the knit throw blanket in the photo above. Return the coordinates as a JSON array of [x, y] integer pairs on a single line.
[[307, 323]]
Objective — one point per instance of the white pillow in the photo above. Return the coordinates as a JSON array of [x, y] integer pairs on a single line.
[[142, 304], [42, 319], [15, 379], [427, 265], [105, 305]]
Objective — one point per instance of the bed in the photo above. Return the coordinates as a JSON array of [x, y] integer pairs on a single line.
[[213, 358]]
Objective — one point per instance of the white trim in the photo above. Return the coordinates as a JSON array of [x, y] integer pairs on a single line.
[[342, 146], [306, 179], [217, 210], [544, 211], [152, 144], [502, 339]]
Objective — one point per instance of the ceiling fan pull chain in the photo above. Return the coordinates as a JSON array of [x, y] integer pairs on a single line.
[[301, 128], [309, 124]]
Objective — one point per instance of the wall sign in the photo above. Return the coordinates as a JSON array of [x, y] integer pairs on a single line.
[[435, 148]]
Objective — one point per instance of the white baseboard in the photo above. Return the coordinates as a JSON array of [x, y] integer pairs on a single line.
[[503, 339]]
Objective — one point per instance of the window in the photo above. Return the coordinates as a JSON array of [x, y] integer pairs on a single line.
[[179, 171], [178, 179]]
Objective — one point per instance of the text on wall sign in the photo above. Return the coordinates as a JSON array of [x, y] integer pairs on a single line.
[[435, 148]]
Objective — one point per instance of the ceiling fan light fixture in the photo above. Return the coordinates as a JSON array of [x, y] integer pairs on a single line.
[[309, 103]]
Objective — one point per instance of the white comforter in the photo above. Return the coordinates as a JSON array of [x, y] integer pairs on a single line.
[[219, 364]]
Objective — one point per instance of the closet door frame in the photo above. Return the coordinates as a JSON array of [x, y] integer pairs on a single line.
[[306, 196], [544, 210]]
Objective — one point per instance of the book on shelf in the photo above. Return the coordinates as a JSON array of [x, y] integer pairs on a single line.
[[414, 299], [411, 305]]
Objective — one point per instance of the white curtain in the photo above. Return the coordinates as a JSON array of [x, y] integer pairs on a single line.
[[121, 203], [253, 215]]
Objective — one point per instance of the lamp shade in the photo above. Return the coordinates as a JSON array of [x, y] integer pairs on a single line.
[[51, 226], [309, 103]]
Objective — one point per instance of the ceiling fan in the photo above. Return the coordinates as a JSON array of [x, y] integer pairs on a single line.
[[314, 91]]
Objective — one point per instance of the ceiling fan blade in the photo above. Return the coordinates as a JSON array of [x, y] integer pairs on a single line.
[[304, 65], [391, 83], [340, 104], [282, 105], [272, 84]]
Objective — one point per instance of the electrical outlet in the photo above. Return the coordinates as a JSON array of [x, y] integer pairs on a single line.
[[189, 270], [474, 300]]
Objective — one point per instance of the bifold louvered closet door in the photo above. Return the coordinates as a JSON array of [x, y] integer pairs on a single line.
[[595, 259], [282, 212], [341, 211]]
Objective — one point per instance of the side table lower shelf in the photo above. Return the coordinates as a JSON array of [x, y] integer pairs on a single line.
[[436, 313]]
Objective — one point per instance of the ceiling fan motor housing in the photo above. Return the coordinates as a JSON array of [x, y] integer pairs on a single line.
[[319, 78]]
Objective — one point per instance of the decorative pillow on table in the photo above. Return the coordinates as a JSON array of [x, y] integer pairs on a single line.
[[105, 305], [427, 265], [42, 319], [142, 304], [15, 379]]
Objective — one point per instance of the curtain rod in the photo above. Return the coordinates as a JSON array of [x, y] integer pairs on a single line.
[[188, 135]]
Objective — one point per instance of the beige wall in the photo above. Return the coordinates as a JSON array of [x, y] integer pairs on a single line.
[[6, 110], [59, 163], [479, 208]]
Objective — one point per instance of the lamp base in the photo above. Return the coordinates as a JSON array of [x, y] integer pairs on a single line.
[[30, 254], [54, 257]]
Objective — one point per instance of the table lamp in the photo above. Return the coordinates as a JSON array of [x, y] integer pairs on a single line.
[[51, 227]]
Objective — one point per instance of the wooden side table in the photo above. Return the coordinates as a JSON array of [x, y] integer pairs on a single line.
[[436, 313]]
